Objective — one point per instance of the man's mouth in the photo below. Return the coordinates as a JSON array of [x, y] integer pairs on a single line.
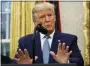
[[47, 26]]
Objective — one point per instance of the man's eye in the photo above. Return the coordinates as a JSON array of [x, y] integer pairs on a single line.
[[49, 14], [42, 17]]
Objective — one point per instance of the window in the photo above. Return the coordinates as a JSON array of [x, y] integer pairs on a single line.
[[5, 27]]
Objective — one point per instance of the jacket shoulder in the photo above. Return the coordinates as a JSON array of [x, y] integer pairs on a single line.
[[26, 37], [66, 36]]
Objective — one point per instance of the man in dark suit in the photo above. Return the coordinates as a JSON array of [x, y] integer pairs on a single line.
[[63, 47]]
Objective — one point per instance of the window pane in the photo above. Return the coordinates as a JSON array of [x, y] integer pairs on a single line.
[[3, 17], [5, 49], [3, 26], [9, 25], [5, 6]]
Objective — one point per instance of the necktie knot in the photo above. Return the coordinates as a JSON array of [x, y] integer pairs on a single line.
[[47, 37]]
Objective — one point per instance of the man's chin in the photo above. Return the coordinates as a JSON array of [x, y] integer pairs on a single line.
[[50, 31]]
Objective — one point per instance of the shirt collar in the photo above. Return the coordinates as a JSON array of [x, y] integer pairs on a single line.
[[51, 35]]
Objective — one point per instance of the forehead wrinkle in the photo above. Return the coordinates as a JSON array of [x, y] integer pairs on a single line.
[[44, 11]]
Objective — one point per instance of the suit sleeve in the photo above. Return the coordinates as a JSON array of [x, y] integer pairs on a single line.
[[76, 56], [21, 44]]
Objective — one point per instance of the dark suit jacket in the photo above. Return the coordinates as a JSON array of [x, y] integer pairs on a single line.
[[70, 40]]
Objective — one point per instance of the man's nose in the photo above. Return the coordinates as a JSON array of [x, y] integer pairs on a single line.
[[47, 19]]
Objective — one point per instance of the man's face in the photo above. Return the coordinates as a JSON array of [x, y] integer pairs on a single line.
[[46, 18]]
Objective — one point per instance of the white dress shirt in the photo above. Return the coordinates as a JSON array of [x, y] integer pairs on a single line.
[[43, 39]]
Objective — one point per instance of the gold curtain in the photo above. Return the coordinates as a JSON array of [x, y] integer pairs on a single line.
[[21, 23], [87, 32]]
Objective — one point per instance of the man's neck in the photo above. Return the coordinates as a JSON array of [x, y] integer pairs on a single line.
[[49, 33]]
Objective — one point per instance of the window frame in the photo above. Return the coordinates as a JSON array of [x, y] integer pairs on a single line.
[[7, 38]]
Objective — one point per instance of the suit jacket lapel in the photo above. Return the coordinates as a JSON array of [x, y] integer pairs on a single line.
[[38, 51], [54, 46]]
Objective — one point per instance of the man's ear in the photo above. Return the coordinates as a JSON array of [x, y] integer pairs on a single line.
[[36, 23]]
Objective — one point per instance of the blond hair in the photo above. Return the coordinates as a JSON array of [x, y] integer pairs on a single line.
[[42, 5]]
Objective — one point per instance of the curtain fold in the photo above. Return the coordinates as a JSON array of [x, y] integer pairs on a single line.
[[87, 32], [21, 23]]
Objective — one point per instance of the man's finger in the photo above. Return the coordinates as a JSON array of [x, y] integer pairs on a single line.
[[20, 52], [16, 60], [69, 53], [26, 52], [36, 57], [17, 55], [63, 46], [53, 54], [59, 47], [67, 49]]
